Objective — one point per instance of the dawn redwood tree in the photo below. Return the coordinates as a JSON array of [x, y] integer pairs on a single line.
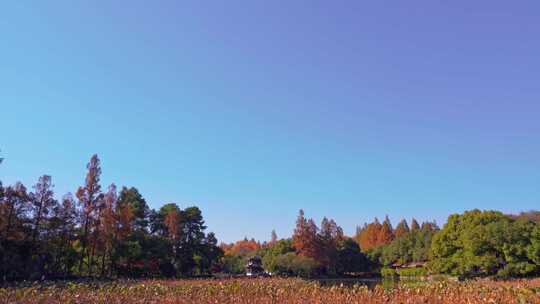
[[401, 229], [358, 235], [414, 224], [369, 235], [430, 226], [109, 229], [305, 238], [330, 236], [62, 224], [15, 250], [89, 197], [273, 237], [172, 220], [13, 211], [386, 234], [43, 202]]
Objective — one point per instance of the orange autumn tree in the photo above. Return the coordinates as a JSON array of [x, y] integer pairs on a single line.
[[90, 200], [108, 228], [173, 224], [330, 237], [386, 233], [305, 239], [401, 229], [368, 236], [241, 247], [375, 234]]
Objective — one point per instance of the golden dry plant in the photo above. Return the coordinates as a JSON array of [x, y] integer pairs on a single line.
[[276, 290]]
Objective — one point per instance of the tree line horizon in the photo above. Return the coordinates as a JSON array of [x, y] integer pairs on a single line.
[[114, 233]]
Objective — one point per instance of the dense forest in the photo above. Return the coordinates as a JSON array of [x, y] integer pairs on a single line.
[[99, 233], [113, 233], [475, 243]]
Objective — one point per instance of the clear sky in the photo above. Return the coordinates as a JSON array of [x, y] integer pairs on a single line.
[[254, 109]]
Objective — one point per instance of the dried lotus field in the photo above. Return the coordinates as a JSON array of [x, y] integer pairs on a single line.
[[271, 291]]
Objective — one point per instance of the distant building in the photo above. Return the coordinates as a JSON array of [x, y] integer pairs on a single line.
[[408, 265], [254, 267]]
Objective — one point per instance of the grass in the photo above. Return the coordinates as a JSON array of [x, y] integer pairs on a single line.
[[273, 290]]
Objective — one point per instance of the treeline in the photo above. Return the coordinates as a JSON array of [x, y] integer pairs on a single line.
[[312, 251], [109, 233], [99, 233], [476, 243]]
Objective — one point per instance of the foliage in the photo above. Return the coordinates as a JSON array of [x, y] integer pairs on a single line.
[[350, 259], [485, 243], [413, 246], [233, 264], [271, 254], [290, 264], [388, 272], [99, 234], [401, 229], [412, 272]]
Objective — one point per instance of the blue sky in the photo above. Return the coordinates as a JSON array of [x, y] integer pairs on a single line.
[[254, 109]]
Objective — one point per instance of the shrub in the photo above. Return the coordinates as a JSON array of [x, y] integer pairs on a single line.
[[412, 272], [388, 272], [291, 264]]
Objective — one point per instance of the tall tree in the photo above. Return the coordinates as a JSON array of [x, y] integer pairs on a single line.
[[431, 226], [305, 238], [401, 229], [42, 203], [192, 239], [273, 237], [138, 205], [89, 197], [414, 224], [109, 229], [13, 211], [14, 252], [331, 236], [386, 233], [369, 236], [62, 224]]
